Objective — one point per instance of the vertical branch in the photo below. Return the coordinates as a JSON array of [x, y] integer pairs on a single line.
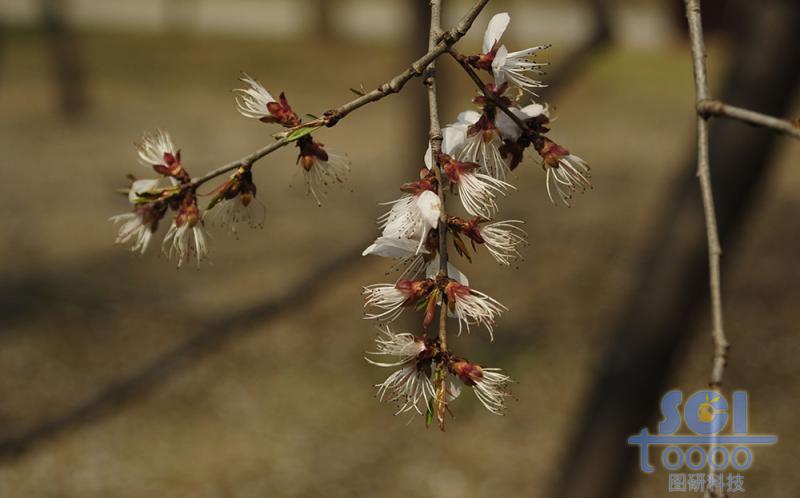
[[703, 172], [436, 138]]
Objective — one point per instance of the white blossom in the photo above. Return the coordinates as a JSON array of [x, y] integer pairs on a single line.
[[185, 240], [137, 227], [452, 272], [133, 228], [453, 137], [473, 307], [232, 213], [404, 251], [570, 174], [321, 173], [387, 298], [410, 387], [478, 192], [509, 130], [412, 217], [503, 240], [515, 68], [252, 103], [483, 145], [157, 149], [406, 347], [492, 389], [490, 385]]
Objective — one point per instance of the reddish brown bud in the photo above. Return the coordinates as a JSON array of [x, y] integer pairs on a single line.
[[240, 184], [151, 213], [310, 152], [469, 373], [485, 125], [551, 152], [483, 61], [454, 169], [427, 182], [415, 290], [282, 113], [513, 151], [430, 309], [172, 167], [189, 213], [469, 228], [454, 290]]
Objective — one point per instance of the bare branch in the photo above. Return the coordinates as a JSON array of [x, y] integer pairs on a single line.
[[703, 94], [417, 69], [703, 172], [436, 132], [716, 108], [436, 147]]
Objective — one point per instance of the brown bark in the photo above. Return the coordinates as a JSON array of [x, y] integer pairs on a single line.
[[69, 72]]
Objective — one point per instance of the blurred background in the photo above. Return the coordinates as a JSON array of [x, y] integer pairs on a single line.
[[121, 376]]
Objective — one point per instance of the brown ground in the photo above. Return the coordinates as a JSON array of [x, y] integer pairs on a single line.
[[287, 409]]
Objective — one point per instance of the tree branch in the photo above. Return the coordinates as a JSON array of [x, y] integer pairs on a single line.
[[715, 108], [703, 172], [436, 148], [442, 42], [720, 342]]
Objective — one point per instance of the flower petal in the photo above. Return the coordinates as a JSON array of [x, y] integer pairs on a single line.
[[453, 138], [468, 118], [141, 186], [497, 26], [389, 247], [498, 65], [430, 207], [452, 272]]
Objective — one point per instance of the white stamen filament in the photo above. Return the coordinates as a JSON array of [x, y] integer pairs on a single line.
[[478, 193], [384, 297], [503, 239], [476, 308]]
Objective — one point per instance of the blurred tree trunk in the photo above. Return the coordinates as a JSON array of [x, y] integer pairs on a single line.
[[66, 58], [180, 16], [2, 49], [599, 38], [324, 27], [672, 290]]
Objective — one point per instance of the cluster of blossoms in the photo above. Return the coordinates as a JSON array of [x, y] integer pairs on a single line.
[[233, 203], [151, 200], [478, 153], [473, 160], [410, 386]]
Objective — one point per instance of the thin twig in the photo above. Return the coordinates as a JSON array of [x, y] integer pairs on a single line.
[[703, 94], [435, 135], [716, 108], [436, 147], [704, 174], [416, 69]]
